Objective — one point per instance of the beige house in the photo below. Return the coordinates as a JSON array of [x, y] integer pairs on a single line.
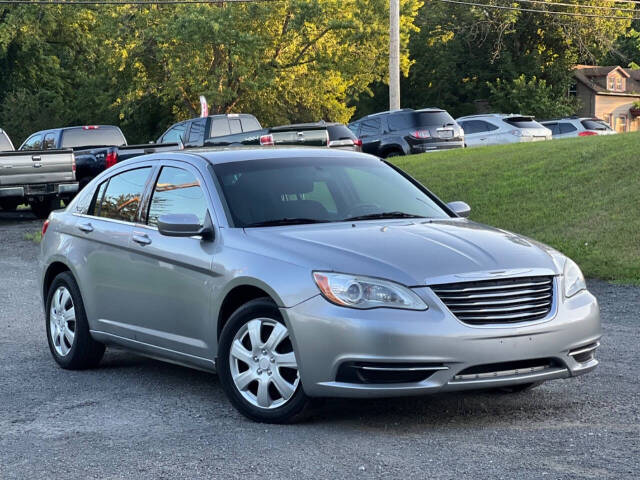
[[609, 93]]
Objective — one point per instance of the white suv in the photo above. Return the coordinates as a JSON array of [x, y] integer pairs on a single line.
[[578, 127], [498, 128]]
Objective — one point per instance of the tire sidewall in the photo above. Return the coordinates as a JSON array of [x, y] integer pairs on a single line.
[[70, 360], [260, 308]]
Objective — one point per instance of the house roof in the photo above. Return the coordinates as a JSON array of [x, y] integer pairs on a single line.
[[594, 77]]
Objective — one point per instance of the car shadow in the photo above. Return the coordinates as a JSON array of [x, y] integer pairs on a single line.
[[442, 410]]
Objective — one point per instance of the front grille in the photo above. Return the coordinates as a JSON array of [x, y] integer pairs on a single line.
[[509, 300]]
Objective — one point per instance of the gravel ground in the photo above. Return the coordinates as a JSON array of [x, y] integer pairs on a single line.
[[135, 417]]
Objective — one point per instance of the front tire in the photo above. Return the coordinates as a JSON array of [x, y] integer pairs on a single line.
[[68, 334], [9, 204], [257, 366]]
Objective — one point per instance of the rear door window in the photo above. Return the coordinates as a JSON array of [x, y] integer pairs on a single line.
[[92, 136], [122, 195], [177, 191], [249, 124], [219, 127], [34, 142], [234, 125]]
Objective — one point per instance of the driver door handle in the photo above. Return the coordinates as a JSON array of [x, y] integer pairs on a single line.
[[141, 239], [86, 227]]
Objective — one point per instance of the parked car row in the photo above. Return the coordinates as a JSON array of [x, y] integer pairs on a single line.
[[55, 164], [408, 131]]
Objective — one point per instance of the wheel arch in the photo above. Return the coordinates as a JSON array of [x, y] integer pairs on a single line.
[[241, 292], [54, 269]]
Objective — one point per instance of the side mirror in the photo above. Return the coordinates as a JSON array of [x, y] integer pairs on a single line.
[[183, 225], [460, 208]]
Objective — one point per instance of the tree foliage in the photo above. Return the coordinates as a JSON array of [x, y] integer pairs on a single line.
[[146, 66]]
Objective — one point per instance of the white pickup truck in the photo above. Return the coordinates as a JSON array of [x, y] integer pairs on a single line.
[[40, 178]]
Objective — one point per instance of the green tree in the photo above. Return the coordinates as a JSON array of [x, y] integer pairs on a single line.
[[461, 50], [533, 97]]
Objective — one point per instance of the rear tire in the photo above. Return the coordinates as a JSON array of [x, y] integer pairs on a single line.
[[9, 204], [42, 208], [68, 334], [394, 153], [260, 376]]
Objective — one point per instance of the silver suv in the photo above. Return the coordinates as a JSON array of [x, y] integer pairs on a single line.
[[498, 128], [300, 273], [578, 127]]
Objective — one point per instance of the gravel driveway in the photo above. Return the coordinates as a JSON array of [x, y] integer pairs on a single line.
[[138, 418]]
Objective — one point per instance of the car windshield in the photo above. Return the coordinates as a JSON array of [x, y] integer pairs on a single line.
[[92, 136], [312, 190], [404, 120]]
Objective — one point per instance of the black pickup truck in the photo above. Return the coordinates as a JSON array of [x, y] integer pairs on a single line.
[[95, 147], [237, 129]]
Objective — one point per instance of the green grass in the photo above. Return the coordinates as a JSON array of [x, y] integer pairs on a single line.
[[580, 195], [35, 237]]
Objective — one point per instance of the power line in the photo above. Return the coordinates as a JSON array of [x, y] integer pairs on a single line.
[[579, 5], [546, 12], [128, 2]]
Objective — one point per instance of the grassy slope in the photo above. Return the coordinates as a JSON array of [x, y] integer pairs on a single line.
[[581, 195]]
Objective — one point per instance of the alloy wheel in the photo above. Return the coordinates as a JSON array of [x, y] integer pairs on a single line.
[[262, 363], [62, 321]]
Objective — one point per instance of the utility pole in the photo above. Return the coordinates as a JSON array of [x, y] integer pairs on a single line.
[[394, 54]]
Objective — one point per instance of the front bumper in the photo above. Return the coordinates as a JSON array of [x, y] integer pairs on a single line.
[[326, 337]]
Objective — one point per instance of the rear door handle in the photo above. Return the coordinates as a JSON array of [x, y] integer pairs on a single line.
[[86, 227], [141, 239]]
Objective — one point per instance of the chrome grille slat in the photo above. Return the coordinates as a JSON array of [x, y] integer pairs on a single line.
[[502, 309], [502, 302], [494, 287], [491, 295], [496, 301]]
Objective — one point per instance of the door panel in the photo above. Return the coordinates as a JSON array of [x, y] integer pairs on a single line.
[[172, 276]]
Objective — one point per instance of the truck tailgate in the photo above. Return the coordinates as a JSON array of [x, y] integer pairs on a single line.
[[33, 167], [310, 137]]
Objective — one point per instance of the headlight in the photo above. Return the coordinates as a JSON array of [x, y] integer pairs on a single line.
[[573, 279], [365, 292]]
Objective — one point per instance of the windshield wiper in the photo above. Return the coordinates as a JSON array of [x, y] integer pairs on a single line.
[[285, 221], [382, 216]]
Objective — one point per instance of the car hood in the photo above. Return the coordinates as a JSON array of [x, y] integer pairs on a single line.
[[410, 252]]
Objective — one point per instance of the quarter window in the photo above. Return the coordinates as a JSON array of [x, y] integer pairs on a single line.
[[177, 191], [122, 195]]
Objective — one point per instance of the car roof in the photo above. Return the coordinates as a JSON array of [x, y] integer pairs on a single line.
[[500, 116], [218, 155], [402, 110]]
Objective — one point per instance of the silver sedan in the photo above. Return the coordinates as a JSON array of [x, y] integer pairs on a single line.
[[301, 273]]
